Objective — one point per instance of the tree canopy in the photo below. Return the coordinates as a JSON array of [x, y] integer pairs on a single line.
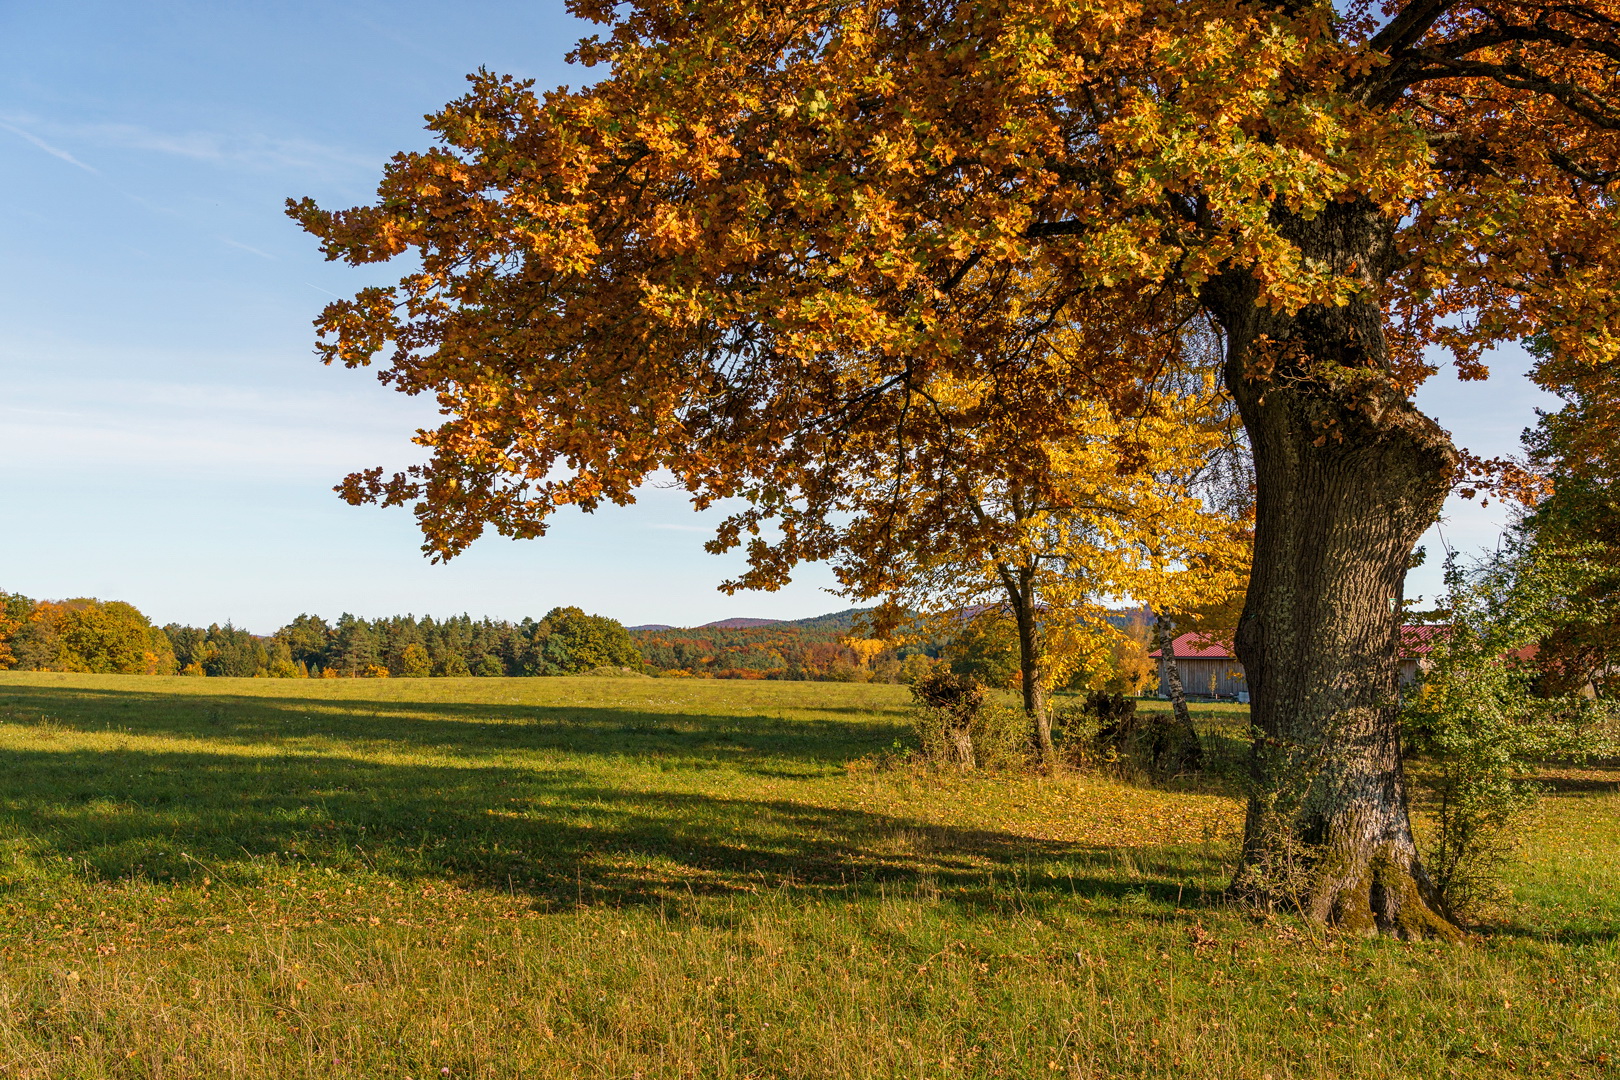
[[1578, 522], [767, 226]]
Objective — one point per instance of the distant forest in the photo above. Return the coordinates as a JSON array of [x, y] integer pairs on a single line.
[[824, 648], [112, 637], [88, 635]]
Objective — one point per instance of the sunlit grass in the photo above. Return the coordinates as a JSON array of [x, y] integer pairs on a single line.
[[606, 877]]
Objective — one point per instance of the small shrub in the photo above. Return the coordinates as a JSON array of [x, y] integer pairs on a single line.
[[839, 671], [281, 668], [1478, 727], [889, 759], [1000, 736], [1074, 730], [607, 671], [959, 727], [415, 662], [1146, 742], [948, 705], [1116, 714]]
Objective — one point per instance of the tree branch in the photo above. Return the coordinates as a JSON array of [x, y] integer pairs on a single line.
[[1408, 28]]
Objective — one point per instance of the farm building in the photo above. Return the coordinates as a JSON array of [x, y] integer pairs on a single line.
[[1209, 670]]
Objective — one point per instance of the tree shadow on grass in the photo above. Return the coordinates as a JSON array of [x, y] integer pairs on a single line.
[[767, 745], [560, 838], [1581, 785]]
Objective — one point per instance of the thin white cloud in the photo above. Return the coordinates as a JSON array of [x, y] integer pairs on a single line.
[[228, 150], [248, 248], [54, 151], [197, 429], [251, 151]]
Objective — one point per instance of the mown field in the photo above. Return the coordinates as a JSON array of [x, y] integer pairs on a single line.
[[662, 878]]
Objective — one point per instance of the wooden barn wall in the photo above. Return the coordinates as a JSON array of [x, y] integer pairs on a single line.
[[1196, 678]]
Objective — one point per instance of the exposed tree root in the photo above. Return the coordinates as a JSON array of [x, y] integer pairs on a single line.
[[1385, 894]]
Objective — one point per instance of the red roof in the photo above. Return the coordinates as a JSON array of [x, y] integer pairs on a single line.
[[1194, 646], [1420, 640]]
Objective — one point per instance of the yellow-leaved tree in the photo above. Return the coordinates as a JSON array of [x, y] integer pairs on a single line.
[[1117, 509], [14, 609]]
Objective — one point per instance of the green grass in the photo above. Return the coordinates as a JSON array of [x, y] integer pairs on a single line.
[[651, 878]]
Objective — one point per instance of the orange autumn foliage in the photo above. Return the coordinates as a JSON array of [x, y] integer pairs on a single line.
[[9, 625], [765, 226]]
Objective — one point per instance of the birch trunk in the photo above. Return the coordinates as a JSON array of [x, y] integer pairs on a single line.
[[1182, 751]]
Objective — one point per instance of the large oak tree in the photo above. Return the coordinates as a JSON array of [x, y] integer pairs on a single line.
[[770, 225]]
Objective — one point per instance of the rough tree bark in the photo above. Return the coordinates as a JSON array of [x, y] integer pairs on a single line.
[[1184, 750], [1349, 474]]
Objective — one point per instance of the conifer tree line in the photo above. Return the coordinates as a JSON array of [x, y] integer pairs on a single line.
[[567, 641], [113, 637]]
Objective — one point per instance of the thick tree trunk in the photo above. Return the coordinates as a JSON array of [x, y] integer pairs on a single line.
[[1031, 662], [1183, 751], [1349, 475]]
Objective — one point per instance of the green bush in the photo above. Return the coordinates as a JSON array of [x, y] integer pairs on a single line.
[[1477, 727], [1000, 735], [1074, 730]]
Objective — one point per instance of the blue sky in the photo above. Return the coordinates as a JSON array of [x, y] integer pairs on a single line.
[[166, 436]]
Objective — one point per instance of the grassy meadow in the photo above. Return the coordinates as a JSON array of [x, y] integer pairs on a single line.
[[638, 878]]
